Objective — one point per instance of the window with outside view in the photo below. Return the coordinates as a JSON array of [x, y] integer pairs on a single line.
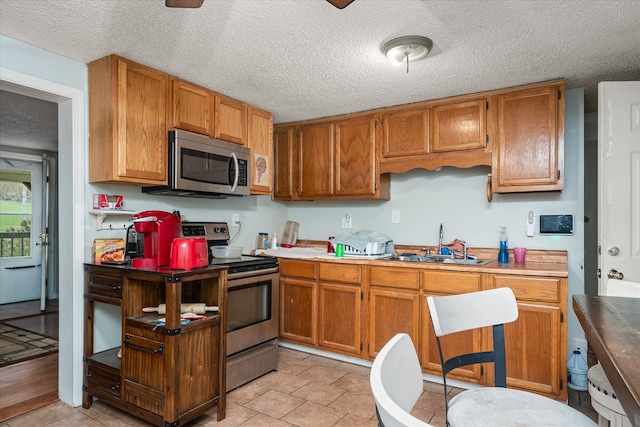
[[15, 213]]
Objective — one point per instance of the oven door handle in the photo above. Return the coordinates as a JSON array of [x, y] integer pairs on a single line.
[[253, 273]]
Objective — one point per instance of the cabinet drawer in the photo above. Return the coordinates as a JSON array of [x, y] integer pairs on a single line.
[[102, 379], [302, 269], [107, 286], [143, 397], [530, 288], [451, 282], [340, 273], [142, 361], [404, 278]]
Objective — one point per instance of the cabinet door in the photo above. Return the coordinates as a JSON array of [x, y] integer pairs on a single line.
[[391, 312], [529, 155], [440, 283], [459, 126], [316, 160], [298, 310], [127, 122], [339, 317], [453, 344], [536, 341], [533, 350], [405, 133], [284, 168], [191, 107], [260, 141], [355, 157], [230, 120]]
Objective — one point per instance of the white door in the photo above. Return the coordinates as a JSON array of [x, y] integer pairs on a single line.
[[619, 181], [20, 226]]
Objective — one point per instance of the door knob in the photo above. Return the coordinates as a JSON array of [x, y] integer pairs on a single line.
[[615, 274], [614, 251]]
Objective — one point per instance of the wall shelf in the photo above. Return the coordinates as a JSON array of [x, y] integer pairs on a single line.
[[102, 214]]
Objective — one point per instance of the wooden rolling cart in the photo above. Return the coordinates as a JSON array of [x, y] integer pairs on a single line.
[[168, 374]]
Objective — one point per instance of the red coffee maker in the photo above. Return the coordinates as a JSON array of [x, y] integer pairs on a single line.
[[158, 229]]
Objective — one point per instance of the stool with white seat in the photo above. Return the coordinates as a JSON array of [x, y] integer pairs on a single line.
[[491, 406], [603, 397]]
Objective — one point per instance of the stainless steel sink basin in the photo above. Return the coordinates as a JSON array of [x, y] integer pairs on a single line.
[[438, 259], [464, 261]]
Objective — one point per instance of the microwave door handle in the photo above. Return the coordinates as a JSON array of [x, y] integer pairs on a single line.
[[235, 180]]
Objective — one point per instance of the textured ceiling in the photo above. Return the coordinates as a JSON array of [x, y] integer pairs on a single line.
[[28, 122], [305, 59]]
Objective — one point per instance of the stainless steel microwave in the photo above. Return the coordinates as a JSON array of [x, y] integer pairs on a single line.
[[204, 167]]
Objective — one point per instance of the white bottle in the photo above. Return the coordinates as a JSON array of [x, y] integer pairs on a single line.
[[275, 242]]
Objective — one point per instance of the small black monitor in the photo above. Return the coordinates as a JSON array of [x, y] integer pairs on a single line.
[[556, 224]]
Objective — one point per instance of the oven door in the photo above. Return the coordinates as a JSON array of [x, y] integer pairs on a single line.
[[252, 310]]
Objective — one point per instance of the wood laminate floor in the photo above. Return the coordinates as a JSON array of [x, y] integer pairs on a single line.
[[32, 384]]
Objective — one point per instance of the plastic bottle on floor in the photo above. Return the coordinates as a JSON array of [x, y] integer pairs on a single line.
[[577, 367]]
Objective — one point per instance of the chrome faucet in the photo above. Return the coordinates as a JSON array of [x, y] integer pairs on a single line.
[[464, 249], [440, 241]]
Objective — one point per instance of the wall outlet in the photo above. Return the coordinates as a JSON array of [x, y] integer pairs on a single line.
[[346, 221], [235, 220], [395, 217], [581, 345]]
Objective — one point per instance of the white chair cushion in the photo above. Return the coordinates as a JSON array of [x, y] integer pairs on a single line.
[[497, 406]]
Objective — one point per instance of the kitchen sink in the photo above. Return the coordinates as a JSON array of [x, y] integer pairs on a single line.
[[464, 261], [438, 259]]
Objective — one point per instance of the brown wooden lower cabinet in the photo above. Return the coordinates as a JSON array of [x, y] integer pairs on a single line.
[[441, 283], [354, 309], [298, 308], [168, 373]]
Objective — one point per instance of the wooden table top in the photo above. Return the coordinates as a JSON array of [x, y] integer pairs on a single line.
[[612, 327]]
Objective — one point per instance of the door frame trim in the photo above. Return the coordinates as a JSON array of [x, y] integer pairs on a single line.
[[72, 139]]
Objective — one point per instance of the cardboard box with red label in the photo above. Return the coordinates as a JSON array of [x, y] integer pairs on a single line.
[[106, 201]]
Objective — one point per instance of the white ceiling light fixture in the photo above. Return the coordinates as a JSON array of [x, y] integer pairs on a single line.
[[407, 48]]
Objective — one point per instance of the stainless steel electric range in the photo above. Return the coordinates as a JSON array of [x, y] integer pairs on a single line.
[[252, 306]]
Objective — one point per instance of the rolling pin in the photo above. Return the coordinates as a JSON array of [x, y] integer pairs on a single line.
[[192, 307]]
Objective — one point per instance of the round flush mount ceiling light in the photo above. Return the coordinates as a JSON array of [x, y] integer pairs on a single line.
[[407, 48]]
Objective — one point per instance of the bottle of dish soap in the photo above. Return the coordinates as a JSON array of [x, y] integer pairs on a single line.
[[503, 255]]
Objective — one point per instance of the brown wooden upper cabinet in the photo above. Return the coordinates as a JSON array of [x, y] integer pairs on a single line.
[[449, 132], [332, 159], [260, 141], [284, 144], [316, 148], [191, 107], [355, 164], [230, 120], [529, 153], [200, 110], [127, 122], [405, 133], [459, 126]]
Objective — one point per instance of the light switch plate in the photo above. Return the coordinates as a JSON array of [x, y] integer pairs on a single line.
[[346, 221], [395, 217]]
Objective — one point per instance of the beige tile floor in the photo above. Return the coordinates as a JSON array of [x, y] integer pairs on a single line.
[[307, 390]]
